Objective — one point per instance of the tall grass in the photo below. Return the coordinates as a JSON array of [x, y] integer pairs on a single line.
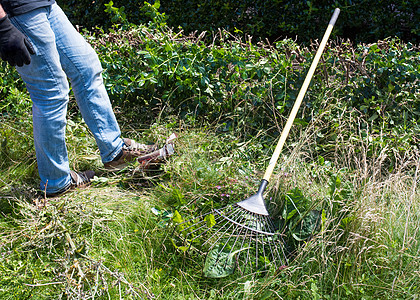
[[113, 240], [368, 246]]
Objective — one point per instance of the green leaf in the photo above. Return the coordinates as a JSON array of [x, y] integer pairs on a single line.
[[178, 195], [180, 248], [294, 203], [323, 221], [177, 217], [306, 226], [335, 183], [156, 4], [219, 262], [346, 222], [210, 221], [291, 214]]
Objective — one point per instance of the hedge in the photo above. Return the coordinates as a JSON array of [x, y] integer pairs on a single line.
[[360, 20]]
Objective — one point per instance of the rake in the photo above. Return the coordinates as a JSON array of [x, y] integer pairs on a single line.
[[243, 235]]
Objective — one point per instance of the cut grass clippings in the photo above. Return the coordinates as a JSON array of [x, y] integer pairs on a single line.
[[114, 239]]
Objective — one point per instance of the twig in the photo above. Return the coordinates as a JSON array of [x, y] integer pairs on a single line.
[[43, 284], [73, 248]]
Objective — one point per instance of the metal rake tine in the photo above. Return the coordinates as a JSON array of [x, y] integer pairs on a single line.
[[249, 248], [265, 257], [249, 224], [282, 244], [217, 231], [272, 252], [282, 250], [245, 234], [271, 224], [239, 217], [259, 241], [281, 256], [237, 237], [266, 221], [268, 224], [248, 233], [227, 241], [218, 239], [266, 241], [271, 241], [262, 245], [191, 226], [233, 245], [202, 226], [257, 238], [248, 237], [256, 249], [234, 218], [202, 219]]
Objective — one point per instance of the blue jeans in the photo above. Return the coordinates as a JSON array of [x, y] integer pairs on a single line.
[[62, 54]]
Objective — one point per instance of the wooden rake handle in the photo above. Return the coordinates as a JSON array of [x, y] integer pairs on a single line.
[[299, 98]]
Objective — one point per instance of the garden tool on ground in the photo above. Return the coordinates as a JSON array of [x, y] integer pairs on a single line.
[[244, 235]]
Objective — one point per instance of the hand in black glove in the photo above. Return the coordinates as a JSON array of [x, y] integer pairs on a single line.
[[14, 46]]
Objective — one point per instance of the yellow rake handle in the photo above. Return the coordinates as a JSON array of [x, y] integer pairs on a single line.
[[300, 96]]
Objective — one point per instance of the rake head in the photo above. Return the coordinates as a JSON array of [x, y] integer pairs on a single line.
[[240, 237]]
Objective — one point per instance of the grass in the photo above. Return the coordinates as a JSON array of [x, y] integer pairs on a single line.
[[353, 156], [113, 240]]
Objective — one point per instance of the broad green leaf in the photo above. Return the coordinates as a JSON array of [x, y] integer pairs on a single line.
[[294, 203], [219, 262], [306, 226]]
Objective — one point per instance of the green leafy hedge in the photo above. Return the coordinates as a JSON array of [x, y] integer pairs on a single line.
[[236, 79], [360, 20], [153, 71]]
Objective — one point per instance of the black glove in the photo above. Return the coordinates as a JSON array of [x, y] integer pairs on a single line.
[[14, 46]]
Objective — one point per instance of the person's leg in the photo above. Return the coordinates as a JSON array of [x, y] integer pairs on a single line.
[[48, 87], [60, 47], [81, 64]]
